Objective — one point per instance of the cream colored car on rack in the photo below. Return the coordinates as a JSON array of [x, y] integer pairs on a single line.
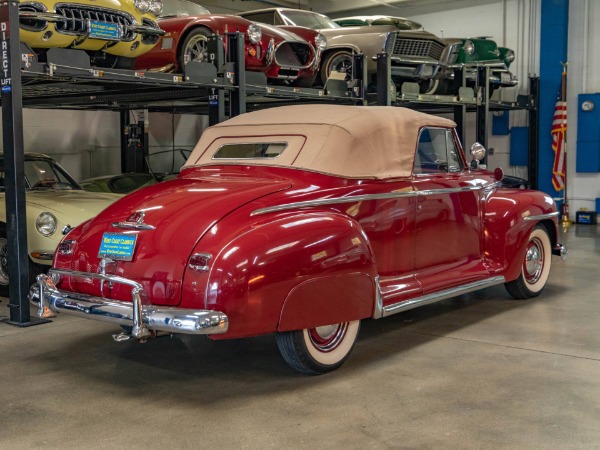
[[55, 203]]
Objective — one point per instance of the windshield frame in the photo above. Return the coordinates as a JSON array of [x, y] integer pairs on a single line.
[[181, 8], [321, 20]]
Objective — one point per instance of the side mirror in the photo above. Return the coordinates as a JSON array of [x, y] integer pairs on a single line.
[[478, 151]]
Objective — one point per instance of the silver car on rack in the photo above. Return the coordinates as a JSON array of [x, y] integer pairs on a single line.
[[416, 55]]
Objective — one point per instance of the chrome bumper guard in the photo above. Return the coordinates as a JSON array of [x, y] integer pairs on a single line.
[[560, 250], [143, 319]]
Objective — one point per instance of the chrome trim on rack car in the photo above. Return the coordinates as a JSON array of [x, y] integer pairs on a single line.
[[361, 198], [143, 319], [442, 295]]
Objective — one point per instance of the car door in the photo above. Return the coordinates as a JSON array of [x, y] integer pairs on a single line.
[[448, 238]]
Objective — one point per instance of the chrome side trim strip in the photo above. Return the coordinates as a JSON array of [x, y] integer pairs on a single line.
[[362, 198], [442, 295], [542, 216]]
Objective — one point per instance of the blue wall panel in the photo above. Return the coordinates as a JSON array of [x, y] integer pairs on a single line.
[[519, 146], [553, 51], [588, 135]]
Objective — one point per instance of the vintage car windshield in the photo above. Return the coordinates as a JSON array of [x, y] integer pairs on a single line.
[[436, 152], [41, 174], [250, 150], [309, 20], [178, 8], [398, 22]]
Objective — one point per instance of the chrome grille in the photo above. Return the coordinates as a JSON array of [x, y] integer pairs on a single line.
[[422, 48], [76, 17], [292, 54]]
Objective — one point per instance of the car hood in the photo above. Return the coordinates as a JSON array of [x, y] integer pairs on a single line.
[[71, 205], [176, 214], [377, 29]]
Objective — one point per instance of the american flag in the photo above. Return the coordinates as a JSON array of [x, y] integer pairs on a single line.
[[559, 140]]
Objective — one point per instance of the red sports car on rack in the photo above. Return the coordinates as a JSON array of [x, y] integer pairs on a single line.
[[291, 55], [302, 221]]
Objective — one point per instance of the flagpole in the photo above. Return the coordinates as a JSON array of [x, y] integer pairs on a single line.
[[565, 205]]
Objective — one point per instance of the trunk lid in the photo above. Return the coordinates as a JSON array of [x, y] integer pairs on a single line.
[[181, 212]]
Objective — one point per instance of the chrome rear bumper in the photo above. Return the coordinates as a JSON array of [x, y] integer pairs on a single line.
[[143, 319]]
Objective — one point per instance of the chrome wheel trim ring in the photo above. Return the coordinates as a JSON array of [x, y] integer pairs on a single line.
[[328, 337]]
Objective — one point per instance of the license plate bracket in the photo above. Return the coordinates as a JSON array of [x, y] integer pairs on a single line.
[[117, 246], [104, 30]]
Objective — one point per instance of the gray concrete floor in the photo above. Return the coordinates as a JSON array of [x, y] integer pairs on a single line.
[[478, 371]]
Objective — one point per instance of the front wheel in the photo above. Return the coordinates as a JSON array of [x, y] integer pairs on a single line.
[[194, 47], [337, 61], [315, 351], [535, 267]]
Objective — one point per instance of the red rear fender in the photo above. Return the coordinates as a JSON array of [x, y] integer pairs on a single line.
[[319, 262]]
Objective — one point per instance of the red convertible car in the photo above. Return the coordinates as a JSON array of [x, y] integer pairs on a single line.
[[292, 55], [302, 221]]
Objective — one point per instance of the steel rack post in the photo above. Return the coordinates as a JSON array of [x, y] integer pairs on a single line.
[[14, 168], [483, 107], [534, 124], [359, 78], [134, 141], [216, 97], [460, 110], [384, 79], [235, 55]]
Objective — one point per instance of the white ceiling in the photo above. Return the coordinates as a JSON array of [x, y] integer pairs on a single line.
[[339, 8]]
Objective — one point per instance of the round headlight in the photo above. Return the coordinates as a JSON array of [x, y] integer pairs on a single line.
[[320, 41], [510, 56], [142, 6], [469, 47], [45, 224], [254, 33], [156, 7]]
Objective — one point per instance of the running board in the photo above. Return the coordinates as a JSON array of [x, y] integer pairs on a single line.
[[441, 295]]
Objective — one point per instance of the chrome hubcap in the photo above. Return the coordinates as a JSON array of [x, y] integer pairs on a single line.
[[328, 337], [534, 261]]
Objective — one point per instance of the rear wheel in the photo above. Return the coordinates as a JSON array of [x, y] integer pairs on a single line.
[[315, 351], [535, 267]]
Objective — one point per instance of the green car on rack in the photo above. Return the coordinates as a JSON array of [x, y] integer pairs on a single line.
[[468, 53]]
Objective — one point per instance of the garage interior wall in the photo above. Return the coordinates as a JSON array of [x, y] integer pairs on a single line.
[[87, 142]]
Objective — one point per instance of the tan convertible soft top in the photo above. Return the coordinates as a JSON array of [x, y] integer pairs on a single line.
[[347, 141]]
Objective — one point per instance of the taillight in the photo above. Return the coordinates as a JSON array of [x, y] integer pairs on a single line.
[[200, 262]]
